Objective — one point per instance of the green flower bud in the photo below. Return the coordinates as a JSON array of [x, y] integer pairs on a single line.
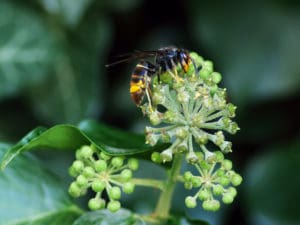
[[226, 146], [192, 158], [219, 156], [188, 185], [196, 182], [155, 118], [74, 190], [233, 128], [117, 161], [216, 77], [86, 151], [181, 133], [78, 166], [227, 164], [200, 156], [210, 157], [219, 138], [128, 187], [190, 202], [227, 198], [182, 147], [198, 60], [204, 73], [204, 165], [232, 191], [98, 185], [73, 172], [152, 139], [211, 205], [198, 121], [224, 181], [236, 179], [230, 108], [100, 165], [220, 173], [88, 172], [165, 137], [81, 181], [170, 117], [155, 157], [187, 176], [115, 193], [114, 206], [208, 65], [225, 121], [218, 189], [133, 164], [104, 156], [213, 91], [166, 155], [158, 98], [183, 96], [96, 203], [126, 174], [204, 194]]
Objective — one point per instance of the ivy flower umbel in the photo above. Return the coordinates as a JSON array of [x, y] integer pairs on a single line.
[[190, 110], [215, 180], [190, 113], [100, 172]]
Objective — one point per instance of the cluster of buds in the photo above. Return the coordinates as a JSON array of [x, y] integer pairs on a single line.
[[190, 109], [100, 172], [191, 112], [215, 180]]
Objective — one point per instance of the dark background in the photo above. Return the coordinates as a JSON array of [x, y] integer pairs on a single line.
[[52, 57]]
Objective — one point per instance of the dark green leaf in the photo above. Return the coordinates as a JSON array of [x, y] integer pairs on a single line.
[[272, 185], [75, 89], [107, 139], [32, 195], [105, 217], [27, 49]]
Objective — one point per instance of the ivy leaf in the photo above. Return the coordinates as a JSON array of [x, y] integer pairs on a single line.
[[32, 195], [27, 49], [272, 186], [69, 137], [75, 89], [101, 217]]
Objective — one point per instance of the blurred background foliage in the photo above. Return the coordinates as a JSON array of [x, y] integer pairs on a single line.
[[52, 57]]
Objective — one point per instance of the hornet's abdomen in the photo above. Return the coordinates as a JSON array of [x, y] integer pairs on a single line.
[[140, 79]]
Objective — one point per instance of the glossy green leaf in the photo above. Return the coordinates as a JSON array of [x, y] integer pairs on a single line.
[[75, 90], [257, 54], [101, 217], [32, 195], [105, 138], [27, 48], [272, 185]]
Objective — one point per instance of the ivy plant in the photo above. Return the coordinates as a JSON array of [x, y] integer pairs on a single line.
[[188, 117]]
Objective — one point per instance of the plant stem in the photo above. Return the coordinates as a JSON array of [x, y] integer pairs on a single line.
[[148, 183], [164, 202]]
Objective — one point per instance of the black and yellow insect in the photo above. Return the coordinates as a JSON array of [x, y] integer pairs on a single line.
[[165, 60]]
